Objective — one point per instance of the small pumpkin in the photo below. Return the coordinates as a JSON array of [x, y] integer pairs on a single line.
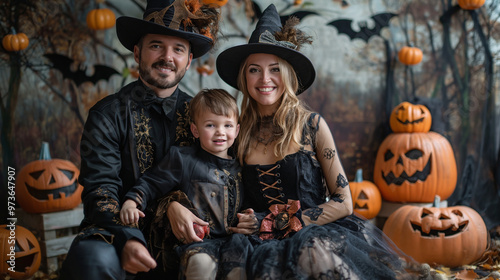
[[21, 256], [218, 3], [410, 55], [133, 71], [205, 69], [407, 117], [450, 236], [48, 185], [414, 167], [471, 4], [366, 198], [15, 42], [99, 19]]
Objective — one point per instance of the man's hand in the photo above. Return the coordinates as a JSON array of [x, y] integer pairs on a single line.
[[136, 258], [181, 220], [247, 224]]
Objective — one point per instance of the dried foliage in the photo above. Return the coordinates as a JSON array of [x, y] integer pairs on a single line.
[[291, 34]]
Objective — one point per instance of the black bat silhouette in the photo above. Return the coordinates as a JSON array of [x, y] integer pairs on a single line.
[[298, 14], [63, 64], [365, 33]]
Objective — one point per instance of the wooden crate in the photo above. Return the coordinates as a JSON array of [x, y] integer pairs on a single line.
[[56, 232]]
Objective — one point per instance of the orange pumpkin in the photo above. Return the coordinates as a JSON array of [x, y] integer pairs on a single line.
[[15, 42], [133, 71], [48, 185], [99, 19], [410, 55], [205, 70], [407, 117], [218, 3], [21, 256], [471, 4], [366, 198], [414, 167], [451, 236]]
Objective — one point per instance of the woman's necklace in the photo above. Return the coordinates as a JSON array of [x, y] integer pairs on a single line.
[[267, 131]]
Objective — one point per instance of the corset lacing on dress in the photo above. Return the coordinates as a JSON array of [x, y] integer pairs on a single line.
[[269, 184]]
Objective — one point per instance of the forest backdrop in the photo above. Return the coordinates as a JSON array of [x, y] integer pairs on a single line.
[[359, 80]]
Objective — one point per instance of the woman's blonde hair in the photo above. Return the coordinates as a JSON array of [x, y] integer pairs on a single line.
[[290, 116]]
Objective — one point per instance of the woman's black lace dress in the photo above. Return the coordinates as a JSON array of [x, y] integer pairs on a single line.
[[349, 248]]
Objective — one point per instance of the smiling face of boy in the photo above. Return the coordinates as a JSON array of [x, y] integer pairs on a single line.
[[216, 132]]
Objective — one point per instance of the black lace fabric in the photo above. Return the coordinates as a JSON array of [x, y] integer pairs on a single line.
[[349, 248]]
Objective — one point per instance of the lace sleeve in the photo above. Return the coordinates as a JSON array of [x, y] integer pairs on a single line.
[[340, 201]]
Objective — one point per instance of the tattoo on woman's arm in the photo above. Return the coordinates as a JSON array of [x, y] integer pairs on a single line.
[[337, 197], [342, 181], [328, 153], [313, 213]]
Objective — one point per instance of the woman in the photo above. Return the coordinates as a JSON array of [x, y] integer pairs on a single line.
[[300, 222]]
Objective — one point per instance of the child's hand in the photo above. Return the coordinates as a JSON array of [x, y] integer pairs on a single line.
[[129, 214], [248, 223]]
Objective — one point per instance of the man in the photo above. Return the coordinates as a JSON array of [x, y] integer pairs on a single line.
[[129, 132]]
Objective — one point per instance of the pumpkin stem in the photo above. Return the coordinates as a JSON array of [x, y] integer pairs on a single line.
[[437, 201], [44, 151], [359, 176], [13, 30]]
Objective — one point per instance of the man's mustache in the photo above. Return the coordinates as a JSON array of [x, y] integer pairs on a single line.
[[164, 64]]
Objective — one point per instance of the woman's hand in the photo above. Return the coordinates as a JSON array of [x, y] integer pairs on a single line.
[[248, 223], [181, 220]]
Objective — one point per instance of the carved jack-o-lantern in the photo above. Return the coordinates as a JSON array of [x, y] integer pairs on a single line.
[[414, 167], [366, 198], [451, 236], [20, 249], [48, 185], [407, 117]]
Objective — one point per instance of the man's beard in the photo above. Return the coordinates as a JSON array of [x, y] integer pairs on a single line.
[[159, 82]]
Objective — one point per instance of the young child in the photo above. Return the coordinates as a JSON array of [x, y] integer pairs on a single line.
[[208, 178]]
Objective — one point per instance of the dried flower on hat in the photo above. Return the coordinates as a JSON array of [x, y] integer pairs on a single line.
[[291, 34]]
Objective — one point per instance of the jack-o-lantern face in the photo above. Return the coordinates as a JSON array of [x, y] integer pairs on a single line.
[[366, 198], [407, 117], [25, 258], [437, 222], [48, 186], [451, 236], [414, 167]]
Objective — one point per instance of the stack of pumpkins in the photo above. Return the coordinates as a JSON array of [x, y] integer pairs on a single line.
[[416, 165], [42, 186]]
